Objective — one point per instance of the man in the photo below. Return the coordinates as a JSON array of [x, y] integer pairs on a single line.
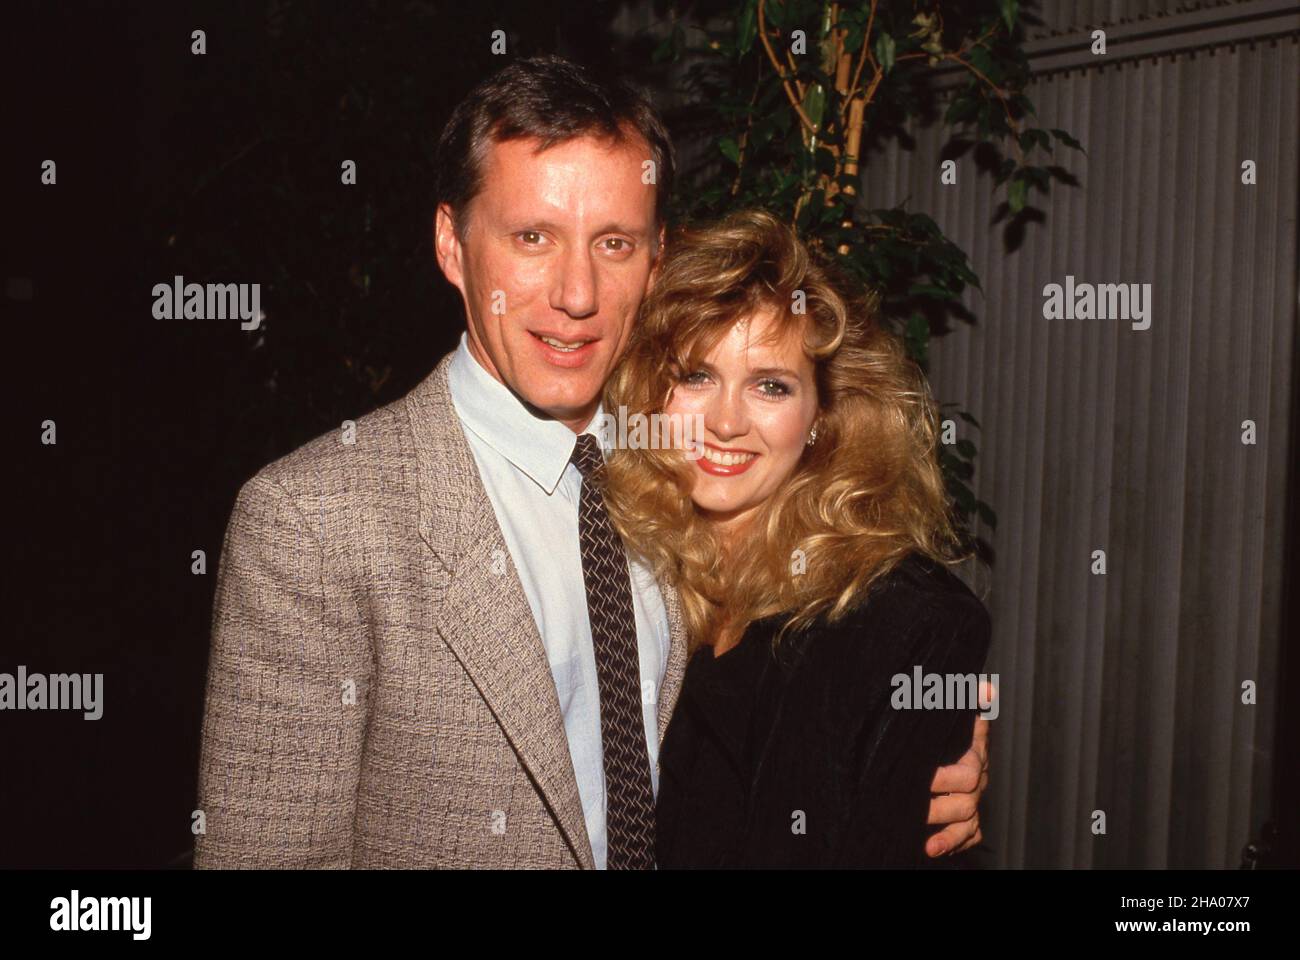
[[426, 651]]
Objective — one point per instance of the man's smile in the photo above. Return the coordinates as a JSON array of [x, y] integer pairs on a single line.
[[561, 351]]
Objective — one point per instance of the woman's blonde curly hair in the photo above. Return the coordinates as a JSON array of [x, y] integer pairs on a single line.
[[868, 491]]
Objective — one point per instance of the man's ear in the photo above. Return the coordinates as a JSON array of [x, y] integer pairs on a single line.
[[447, 246]]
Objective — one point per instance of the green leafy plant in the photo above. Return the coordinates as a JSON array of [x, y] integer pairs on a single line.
[[794, 96]]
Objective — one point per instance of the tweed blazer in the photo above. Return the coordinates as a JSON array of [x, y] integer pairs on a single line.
[[378, 694]]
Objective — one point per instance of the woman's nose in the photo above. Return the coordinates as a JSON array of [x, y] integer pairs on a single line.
[[726, 418]]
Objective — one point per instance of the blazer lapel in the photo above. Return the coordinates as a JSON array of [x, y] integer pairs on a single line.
[[676, 667], [485, 618]]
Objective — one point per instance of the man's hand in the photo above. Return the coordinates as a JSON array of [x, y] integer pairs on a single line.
[[957, 790]]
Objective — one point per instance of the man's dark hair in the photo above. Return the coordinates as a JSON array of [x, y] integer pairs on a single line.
[[555, 100]]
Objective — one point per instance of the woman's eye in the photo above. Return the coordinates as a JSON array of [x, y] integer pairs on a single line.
[[773, 388], [695, 377]]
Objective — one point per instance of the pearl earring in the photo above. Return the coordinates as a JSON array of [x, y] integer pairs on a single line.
[[812, 435]]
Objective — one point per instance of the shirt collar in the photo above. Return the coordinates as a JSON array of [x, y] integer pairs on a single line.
[[537, 445]]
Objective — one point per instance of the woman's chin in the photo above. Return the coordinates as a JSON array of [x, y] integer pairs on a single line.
[[716, 509]]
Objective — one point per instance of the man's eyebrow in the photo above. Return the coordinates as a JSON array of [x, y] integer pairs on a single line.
[[523, 223]]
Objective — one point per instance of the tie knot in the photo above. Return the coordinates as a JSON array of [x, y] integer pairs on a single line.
[[587, 456]]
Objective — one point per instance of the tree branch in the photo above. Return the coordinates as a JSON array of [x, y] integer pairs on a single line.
[[780, 72]]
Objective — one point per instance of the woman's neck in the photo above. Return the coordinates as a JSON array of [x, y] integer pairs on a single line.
[[727, 634], [732, 535]]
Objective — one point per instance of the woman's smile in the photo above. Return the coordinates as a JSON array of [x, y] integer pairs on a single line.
[[720, 462]]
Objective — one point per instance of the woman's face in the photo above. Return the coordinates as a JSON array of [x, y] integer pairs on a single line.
[[758, 401]]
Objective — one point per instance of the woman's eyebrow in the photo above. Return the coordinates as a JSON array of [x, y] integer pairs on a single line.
[[775, 372]]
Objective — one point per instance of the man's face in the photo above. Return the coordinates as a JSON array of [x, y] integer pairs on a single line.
[[554, 266]]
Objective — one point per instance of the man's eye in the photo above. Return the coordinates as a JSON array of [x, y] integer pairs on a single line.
[[531, 238], [622, 245]]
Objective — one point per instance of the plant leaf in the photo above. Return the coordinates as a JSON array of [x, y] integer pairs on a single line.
[[1068, 140], [885, 51], [746, 27], [1010, 10], [1016, 194], [814, 103]]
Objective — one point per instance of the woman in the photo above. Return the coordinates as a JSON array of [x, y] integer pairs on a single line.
[[808, 545]]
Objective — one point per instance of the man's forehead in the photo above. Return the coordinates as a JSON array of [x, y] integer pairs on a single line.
[[530, 153], [629, 139]]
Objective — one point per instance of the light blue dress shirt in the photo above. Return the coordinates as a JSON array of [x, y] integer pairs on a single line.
[[523, 461]]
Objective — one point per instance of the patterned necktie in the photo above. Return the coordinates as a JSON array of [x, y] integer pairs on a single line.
[[629, 815]]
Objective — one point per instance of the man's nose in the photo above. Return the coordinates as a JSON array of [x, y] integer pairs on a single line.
[[575, 285], [726, 417]]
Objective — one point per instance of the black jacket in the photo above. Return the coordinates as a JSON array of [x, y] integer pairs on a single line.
[[798, 758]]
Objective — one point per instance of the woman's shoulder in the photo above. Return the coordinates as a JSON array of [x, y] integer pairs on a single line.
[[918, 603], [918, 581]]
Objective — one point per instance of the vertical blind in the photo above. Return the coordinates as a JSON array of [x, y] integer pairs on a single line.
[[1121, 693]]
